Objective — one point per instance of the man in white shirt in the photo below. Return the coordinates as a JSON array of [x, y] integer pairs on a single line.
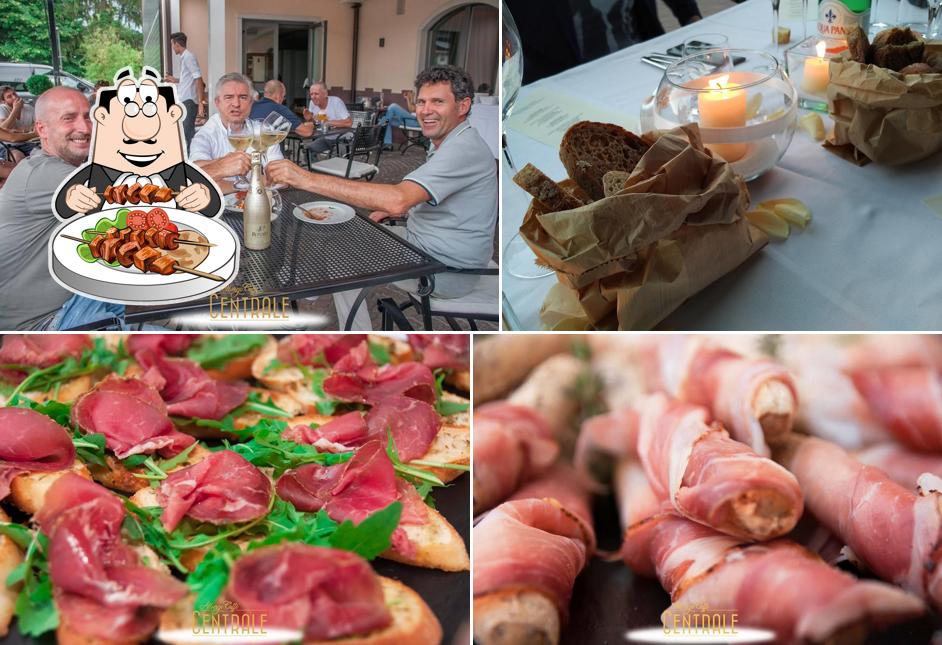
[[190, 88], [210, 148], [333, 107]]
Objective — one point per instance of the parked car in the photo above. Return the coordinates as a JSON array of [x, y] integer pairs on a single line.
[[15, 75]]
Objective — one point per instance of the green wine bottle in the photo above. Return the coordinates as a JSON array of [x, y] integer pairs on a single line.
[[836, 17]]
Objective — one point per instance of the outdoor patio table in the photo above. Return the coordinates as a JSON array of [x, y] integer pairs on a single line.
[[294, 141], [307, 259], [867, 261]]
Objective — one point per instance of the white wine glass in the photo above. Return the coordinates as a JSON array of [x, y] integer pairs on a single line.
[[518, 259], [272, 131], [241, 136]]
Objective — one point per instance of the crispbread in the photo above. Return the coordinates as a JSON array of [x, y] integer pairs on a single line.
[[589, 150], [10, 559]]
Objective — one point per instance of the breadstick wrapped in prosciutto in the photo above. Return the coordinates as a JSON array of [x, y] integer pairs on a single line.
[[907, 401], [893, 531], [705, 475], [517, 439], [901, 464], [502, 361], [528, 553], [755, 398]]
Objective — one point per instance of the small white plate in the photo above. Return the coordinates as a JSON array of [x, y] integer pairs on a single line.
[[338, 212]]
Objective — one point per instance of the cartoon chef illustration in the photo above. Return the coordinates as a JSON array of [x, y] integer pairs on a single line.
[[137, 154]]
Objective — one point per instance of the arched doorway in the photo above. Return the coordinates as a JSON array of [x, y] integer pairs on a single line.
[[466, 36]]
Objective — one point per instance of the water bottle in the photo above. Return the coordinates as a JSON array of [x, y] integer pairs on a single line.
[[837, 17], [256, 210]]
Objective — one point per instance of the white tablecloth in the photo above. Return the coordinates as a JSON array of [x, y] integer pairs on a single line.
[[486, 120], [870, 260]]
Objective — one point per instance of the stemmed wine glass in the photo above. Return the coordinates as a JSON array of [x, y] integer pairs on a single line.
[[271, 131], [517, 257], [241, 136], [775, 5]]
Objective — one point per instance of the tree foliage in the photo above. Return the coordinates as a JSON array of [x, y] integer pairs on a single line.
[[38, 83], [25, 30], [105, 53]]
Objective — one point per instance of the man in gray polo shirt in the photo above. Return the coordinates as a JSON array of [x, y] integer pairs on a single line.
[[451, 200], [29, 297]]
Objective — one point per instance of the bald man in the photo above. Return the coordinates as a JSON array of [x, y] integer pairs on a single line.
[[273, 101], [29, 297]]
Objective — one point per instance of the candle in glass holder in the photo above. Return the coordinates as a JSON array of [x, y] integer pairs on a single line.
[[816, 74], [723, 106]]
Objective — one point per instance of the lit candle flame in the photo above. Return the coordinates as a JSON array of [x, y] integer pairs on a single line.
[[820, 48], [719, 83]]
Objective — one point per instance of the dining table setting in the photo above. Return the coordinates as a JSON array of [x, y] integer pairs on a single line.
[[742, 172]]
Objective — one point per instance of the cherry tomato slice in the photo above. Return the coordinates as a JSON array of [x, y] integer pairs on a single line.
[[157, 217], [137, 220]]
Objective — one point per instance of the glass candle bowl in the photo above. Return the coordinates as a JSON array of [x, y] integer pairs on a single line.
[[808, 66], [745, 106]]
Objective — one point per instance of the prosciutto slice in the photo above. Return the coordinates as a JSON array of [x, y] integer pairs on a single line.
[[31, 442], [778, 586], [753, 398], [413, 424], [700, 470], [908, 402], [443, 351], [355, 490], [221, 489], [39, 350], [356, 378], [319, 350], [533, 544], [326, 593], [100, 586], [894, 531], [512, 444], [902, 465], [188, 390], [131, 415], [173, 344], [340, 434]]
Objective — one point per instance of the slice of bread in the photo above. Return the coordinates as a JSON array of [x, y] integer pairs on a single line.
[[515, 616], [589, 150], [28, 491], [613, 181], [460, 380], [897, 57], [894, 36], [10, 559], [412, 620], [117, 477], [551, 195], [438, 545], [858, 46]]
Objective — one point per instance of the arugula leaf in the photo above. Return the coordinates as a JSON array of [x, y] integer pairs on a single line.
[[267, 448], [134, 461], [35, 610], [379, 353], [99, 357], [211, 575], [253, 403], [410, 474], [143, 525], [370, 537], [90, 448], [274, 365], [21, 535], [443, 407], [317, 376], [213, 353], [6, 387], [287, 524], [58, 412]]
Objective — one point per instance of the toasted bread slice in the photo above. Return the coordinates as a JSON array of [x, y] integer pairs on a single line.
[[69, 390], [117, 477], [28, 491], [10, 559], [289, 380], [547, 192], [460, 380], [438, 545], [589, 150], [413, 620], [515, 616]]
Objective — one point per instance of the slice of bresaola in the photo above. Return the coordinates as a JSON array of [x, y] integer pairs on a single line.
[[188, 390], [340, 434], [358, 379], [316, 350], [223, 488], [100, 586], [31, 442], [131, 415], [326, 593], [445, 351], [355, 490], [39, 350], [173, 344]]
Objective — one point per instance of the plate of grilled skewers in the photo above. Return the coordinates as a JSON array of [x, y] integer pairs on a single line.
[[144, 255]]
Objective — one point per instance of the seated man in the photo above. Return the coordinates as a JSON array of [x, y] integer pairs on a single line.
[[16, 123], [210, 148], [31, 299], [272, 101], [333, 109], [396, 116], [451, 200]]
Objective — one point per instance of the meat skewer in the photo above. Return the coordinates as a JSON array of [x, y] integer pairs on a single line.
[[128, 253], [137, 193], [161, 239]]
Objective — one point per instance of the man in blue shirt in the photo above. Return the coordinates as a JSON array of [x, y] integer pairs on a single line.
[[272, 102]]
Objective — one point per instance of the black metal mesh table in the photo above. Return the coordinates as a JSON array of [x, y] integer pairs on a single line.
[[307, 259]]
